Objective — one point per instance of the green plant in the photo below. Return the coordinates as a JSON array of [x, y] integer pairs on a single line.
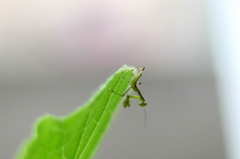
[[77, 135]]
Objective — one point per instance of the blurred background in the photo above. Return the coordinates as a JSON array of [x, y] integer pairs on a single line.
[[55, 54]]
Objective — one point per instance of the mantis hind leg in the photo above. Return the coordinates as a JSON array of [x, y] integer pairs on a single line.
[[121, 94], [127, 102]]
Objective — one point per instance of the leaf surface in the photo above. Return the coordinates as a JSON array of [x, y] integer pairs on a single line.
[[79, 134]]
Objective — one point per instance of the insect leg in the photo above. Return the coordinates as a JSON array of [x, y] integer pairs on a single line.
[[121, 94], [127, 101]]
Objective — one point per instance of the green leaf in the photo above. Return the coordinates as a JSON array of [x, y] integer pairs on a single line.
[[78, 135]]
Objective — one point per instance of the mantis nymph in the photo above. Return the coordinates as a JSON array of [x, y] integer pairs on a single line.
[[133, 85]]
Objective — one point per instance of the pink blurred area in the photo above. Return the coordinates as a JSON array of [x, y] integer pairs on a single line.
[[46, 39]]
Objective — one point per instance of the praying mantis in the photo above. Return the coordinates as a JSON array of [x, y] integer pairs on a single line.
[[133, 85]]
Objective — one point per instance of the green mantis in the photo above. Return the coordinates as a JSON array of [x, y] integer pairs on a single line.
[[133, 85]]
